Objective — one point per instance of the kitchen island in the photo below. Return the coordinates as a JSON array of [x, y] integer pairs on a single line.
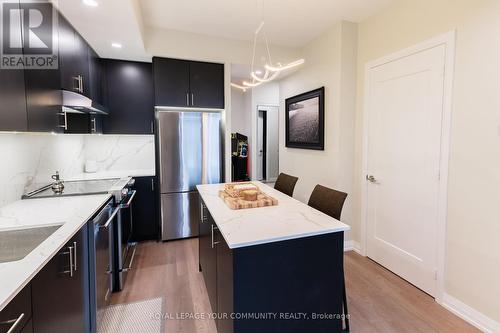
[[271, 269]]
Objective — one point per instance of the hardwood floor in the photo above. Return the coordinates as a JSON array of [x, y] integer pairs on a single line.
[[378, 300]]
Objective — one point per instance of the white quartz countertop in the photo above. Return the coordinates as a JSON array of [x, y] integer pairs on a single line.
[[73, 212], [290, 219], [108, 174]]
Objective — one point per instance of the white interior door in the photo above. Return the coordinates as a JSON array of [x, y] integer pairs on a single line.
[[260, 145], [405, 108]]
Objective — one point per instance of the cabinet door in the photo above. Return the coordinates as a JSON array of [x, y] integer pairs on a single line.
[[129, 97], [43, 97], [171, 82], [95, 77], [144, 209], [224, 285], [13, 115], [18, 310], [67, 55], [60, 290], [82, 63], [206, 85]]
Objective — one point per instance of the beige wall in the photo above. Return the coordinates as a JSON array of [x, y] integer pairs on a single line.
[[473, 227], [330, 62]]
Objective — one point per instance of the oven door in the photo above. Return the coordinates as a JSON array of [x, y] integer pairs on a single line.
[[125, 248]]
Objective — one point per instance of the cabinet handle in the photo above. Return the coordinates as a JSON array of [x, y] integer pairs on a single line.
[[93, 127], [213, 243], [74, 255], [70, 253], [192, 99], [152, 185], [77, 81], [81, 83], [15, 323], [187, 99], [65, 126], [152, 128]]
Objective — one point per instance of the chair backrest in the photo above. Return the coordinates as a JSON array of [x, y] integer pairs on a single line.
[[286, 183], [328, 201]]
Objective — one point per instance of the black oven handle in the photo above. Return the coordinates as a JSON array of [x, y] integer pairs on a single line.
[[127, 205]]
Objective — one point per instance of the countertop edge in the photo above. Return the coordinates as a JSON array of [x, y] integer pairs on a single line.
[[5, 302], [344, 227]]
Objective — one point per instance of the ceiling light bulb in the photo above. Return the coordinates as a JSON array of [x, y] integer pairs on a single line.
[[258, 72], [116, 45], [90, 3]]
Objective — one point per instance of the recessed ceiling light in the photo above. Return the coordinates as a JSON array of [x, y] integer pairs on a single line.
[[91, 3], [116, 45]]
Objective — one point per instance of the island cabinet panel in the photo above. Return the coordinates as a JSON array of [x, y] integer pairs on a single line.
[[208, 255], [225, 286], [60, 290], [296, 283]]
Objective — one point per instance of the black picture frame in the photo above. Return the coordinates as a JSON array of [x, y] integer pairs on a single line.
[[305, 133]]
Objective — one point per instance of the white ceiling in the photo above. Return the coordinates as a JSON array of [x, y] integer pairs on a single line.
[[288, 22], [111, 21]]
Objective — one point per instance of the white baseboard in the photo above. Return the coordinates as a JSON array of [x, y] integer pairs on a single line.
[[351, 245], [470, 315]]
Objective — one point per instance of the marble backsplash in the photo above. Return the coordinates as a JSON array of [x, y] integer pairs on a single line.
[[31, 158]]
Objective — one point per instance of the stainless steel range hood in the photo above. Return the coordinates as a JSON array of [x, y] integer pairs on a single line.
[[81, 104]]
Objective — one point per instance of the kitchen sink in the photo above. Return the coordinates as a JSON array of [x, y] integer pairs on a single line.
[[15, 244]]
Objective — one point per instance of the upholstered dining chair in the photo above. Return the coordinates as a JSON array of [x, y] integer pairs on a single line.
[[286, 184], [330, 202]]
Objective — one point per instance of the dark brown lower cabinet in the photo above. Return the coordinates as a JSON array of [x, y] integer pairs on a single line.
[[145, 225], [60, 290], [16, 316], [285, 286]]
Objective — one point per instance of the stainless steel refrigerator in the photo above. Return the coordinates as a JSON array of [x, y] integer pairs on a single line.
[[190, 147]]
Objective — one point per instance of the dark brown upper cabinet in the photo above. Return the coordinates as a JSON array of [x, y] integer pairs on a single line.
[[184, 83], [129, 97], [73, 59], [13, 115]]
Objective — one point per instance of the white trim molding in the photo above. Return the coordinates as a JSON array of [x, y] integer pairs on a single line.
[[472, 316], [447, 39], [351, 245]]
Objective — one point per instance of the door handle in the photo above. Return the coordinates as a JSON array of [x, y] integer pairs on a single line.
[[371, 179]]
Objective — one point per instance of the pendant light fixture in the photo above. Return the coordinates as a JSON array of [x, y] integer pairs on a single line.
[[271, 71]]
